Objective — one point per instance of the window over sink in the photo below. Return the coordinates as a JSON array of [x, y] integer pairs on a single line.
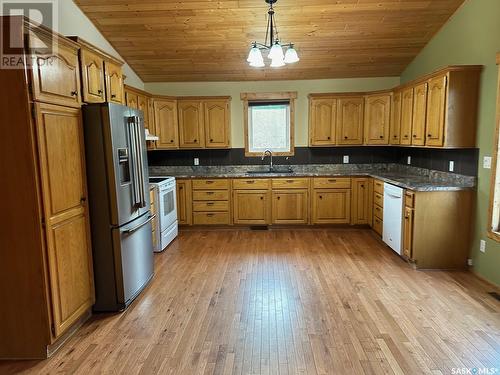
[[269, 123]]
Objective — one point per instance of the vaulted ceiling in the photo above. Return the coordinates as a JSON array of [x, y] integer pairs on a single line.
[[208, 40]]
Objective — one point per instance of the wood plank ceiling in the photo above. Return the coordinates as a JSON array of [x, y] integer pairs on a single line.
[[208, 40]]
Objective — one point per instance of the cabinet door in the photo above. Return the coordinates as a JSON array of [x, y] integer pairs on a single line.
[[166, 124], [408, 233], [190, 124], [406, 116], [251, 207], [114, 83], [142, 105], [62, 170], [331, 206], [290, 206], [56, 77], [350, 121], [216, 121], [436, 110], [395, 127], [184, 202], [131, 99], [92, 77], [377, 119], [361, 202], [419, 115], [322, 121]]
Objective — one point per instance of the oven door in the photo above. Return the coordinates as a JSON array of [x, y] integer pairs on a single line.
[[168, 207]]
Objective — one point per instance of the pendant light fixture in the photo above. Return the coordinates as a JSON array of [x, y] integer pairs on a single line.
[[272, 45]]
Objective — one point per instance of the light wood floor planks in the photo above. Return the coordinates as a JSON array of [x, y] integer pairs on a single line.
[[322, 301]]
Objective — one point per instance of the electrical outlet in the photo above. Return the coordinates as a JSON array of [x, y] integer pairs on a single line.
[[346, 159], [482, 246], [469, 262], [452, 166], [196, 161], [487, 162], [408, 161]]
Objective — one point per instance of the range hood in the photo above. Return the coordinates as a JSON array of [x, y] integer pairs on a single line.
[[151, 137]]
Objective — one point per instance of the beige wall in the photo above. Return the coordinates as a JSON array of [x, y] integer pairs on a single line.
[[303, 88]]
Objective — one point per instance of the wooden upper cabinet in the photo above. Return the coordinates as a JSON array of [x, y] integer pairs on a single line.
[[395, 127], [350, 121], [191, 132], [216, 123], [92, 66], [419, 114], [114, 82], [142, 105], [166, 124], [61, 154], [322, 121], [436, 109], [406, 116], [131, 99], [56, 76], [377, 119]]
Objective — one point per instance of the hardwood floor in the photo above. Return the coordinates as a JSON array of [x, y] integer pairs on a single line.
[[322, 301]]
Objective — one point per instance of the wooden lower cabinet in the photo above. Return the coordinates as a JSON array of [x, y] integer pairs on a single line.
[[331, 206], [361, 202], [251, 207], [290, 206], [378, 206], [184, 202], [436, 232]]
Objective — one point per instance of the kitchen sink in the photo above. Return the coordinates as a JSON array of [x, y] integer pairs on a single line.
[[272, 171]]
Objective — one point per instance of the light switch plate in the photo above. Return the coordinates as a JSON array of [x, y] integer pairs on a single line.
[[346, 159], [487, 162], [196, 161], [469, 262], [408, 161], [482, 246], [452, 166]]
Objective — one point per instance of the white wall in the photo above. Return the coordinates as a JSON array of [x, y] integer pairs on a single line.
[[303, 88]]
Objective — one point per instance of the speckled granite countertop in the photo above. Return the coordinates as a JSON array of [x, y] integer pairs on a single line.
[[407, 177]]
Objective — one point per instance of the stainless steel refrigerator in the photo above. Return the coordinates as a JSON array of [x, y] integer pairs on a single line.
[[117, 174]]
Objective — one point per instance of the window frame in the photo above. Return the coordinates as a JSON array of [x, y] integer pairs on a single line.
[[269, 97], [495, 235]]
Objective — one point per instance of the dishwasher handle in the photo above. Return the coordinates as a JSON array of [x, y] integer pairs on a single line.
[[393, 195]]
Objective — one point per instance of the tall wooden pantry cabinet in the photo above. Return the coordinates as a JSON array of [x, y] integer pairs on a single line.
[[45, 250]]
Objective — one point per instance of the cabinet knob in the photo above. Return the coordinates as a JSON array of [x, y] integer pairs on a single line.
[[414, 136], [83, 199], [406, 135], [74, 93], [320, 197], [194, 140], [429, 135], [113, 96], [381, 136], [211, 140], [345, 136], [363, 186], [171, 141], [395, 136], [99, 91], [181, 187], [261, 198], [327, 137], [279, 197]]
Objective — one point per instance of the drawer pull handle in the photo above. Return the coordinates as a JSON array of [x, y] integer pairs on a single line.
[[210, 203], [210, 192], [289, 181], [209, 182], [210, 215], [250, 181], [333, 181]]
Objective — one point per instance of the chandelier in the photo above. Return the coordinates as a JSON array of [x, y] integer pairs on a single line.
[[273, 45]]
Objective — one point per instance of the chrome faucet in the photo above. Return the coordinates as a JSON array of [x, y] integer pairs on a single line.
[[270, 154]]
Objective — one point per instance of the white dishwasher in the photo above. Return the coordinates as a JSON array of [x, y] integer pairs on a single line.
[[393, 217]]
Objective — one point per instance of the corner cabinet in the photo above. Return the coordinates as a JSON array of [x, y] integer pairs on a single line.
[[377, 119]]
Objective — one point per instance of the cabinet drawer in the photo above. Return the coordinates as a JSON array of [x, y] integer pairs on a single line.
[[332, 183], [409, 199], [211, 206], [378, 199], [377, 225], [251, 184], [210, 184], [378, 211], [378, 187], [290, 183], [215, 195], [210, 218]]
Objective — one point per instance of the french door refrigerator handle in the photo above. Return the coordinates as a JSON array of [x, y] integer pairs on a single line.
[[140, 162], [133, 148], [140, 225]]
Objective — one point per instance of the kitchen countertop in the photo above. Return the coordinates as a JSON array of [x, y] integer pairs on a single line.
[[416, 179]]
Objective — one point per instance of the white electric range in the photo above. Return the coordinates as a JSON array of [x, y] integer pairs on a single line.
[[167, 210]]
